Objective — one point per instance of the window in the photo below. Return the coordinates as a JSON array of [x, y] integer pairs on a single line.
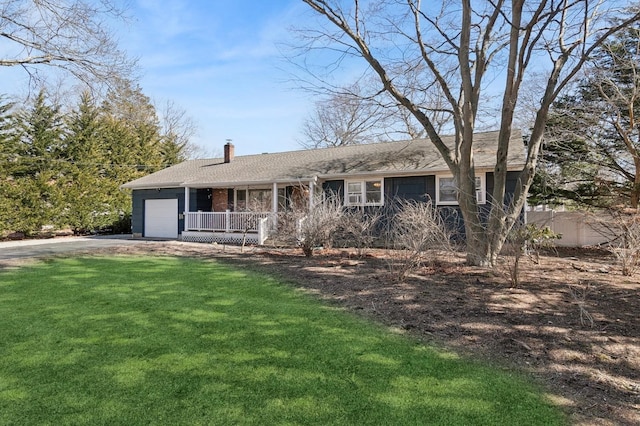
[[282, 199], [253, 200], [364, 193], [241, 200], [447, 190]]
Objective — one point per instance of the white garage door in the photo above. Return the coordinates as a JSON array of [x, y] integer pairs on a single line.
[[161, 218]]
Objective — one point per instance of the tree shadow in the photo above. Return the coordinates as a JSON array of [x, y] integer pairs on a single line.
[[537, 327]]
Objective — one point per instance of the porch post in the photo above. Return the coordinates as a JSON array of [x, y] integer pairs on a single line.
[[312, 190], [274, 198], [274, 203], [187, 225]]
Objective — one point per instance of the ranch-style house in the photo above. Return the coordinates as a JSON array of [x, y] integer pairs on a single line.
[[239, 197]]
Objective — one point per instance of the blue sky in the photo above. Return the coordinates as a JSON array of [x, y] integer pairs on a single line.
[[219, 61]]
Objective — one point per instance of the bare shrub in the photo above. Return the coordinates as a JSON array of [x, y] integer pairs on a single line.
[[628, 242], [314, 228], [525, 239], [413, 229], [579, 295], [250, 222], [622, 228], [317, 228], [359, 229], [287, 231]]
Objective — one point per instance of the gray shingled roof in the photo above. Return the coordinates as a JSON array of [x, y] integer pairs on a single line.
[[413, 157]]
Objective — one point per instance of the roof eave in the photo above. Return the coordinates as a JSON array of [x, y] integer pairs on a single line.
[[157, 185], [232, 184], [304, 179]]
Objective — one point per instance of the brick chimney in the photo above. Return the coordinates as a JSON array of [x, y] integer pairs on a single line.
[[228, 152]]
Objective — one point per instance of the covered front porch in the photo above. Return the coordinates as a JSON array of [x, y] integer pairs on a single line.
[[242, 214], [228, 227]]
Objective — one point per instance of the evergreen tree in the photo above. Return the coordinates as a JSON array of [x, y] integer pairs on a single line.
[[132, 142], [133, 136], [592, 152], [65, 170], [87, 199], [34, 189], [172, 150], [8, 157], [177, 129]]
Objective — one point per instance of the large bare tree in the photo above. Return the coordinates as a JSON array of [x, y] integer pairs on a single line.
[[70, 35], [471, 49], [344, 117], [178, 129], [356, 114]]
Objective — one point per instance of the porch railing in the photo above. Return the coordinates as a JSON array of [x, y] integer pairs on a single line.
[[227, 221]]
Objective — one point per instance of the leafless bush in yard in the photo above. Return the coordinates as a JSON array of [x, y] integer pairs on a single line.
[[524, 239], [579, 295], [250, 221], [622, 228], [414, 228], [287, 232], [628, 249], [359, 229], [314, 228]]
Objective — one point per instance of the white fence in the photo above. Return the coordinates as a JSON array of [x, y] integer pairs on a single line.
[[578, 229]]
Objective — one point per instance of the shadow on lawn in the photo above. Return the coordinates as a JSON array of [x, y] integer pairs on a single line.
[[166, 340], [593, 369]]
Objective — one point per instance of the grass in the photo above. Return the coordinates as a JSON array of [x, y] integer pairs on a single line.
[[160, 340]]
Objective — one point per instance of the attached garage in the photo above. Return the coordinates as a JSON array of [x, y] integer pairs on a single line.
[[161, 218]]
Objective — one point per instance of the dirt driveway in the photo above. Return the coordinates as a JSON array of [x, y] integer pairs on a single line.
[[572, 323]]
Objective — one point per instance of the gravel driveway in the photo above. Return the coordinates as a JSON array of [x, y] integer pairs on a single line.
[[27, 249]]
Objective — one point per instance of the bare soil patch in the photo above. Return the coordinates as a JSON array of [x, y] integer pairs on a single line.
[[572, 323]]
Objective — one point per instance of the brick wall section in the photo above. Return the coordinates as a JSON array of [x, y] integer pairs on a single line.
[[220, 200]]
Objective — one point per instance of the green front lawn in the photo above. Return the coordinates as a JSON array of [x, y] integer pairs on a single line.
[[160, 340]]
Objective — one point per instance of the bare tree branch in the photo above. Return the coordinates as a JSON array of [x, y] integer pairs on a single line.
[[70, 35]]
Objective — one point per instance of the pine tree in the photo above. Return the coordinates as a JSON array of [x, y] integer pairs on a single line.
[[86, 197], [35, 191], [132, 142], [65, 170], [8, 156]]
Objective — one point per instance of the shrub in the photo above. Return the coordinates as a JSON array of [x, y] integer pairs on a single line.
[[317, 228], [412, 230], [311, 229], [525, 239], [626, 245], [359, 229], [621, 226]]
